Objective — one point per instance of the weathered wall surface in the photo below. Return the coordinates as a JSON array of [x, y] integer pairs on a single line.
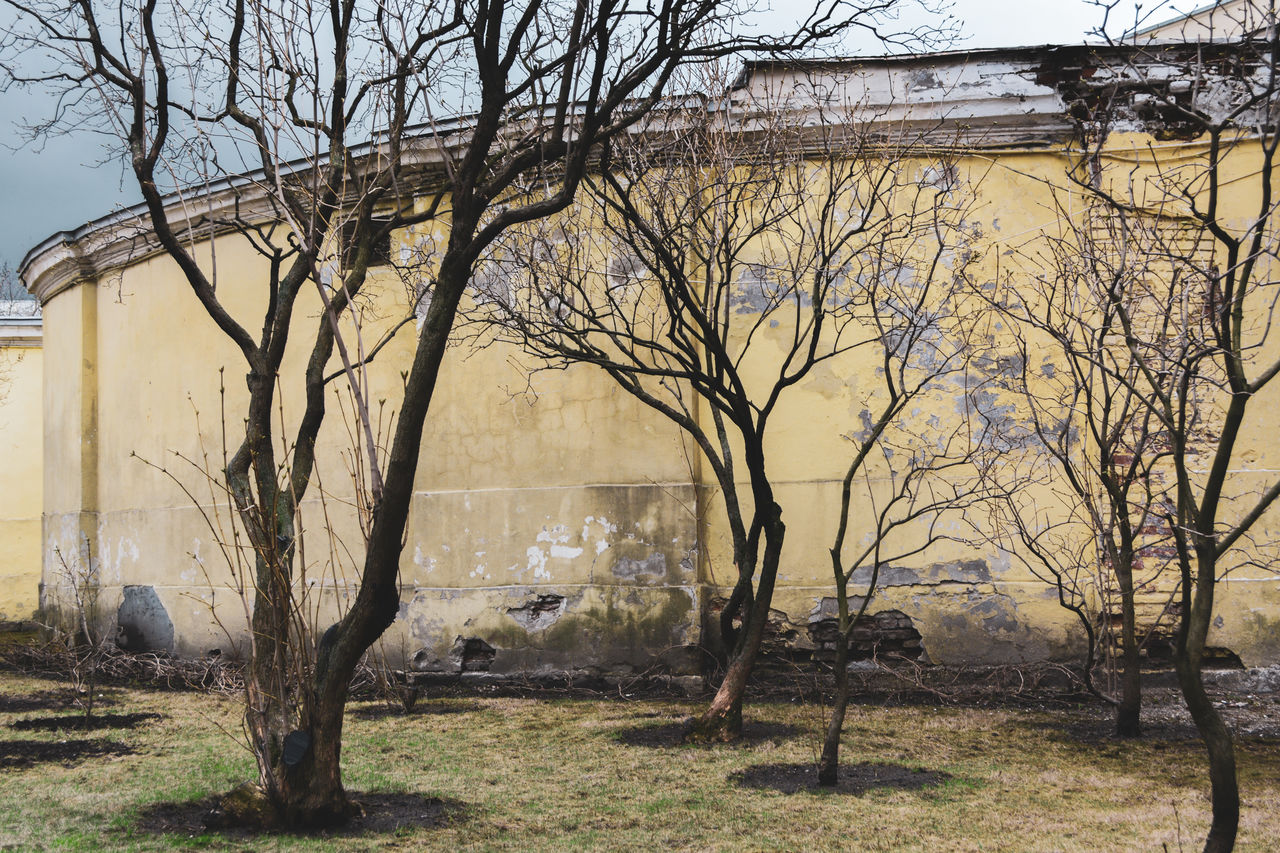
[[970, 601], [552, 529], [20, 449], [558, 524], [1226, 19]]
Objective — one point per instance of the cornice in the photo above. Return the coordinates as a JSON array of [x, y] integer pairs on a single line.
[[110, 243], [19, 329], [67, 259]]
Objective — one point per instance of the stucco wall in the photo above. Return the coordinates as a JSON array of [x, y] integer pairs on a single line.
[[20, 449], [557, 523], [554, 519], [971, 602]]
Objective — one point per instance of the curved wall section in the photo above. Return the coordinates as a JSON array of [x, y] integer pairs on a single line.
[[557, 523]]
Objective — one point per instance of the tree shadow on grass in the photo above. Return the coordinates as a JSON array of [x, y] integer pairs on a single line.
[[853, 779], [670, 735], [383, 710], [82, 723], [27, 753], [384, 813], [44, 700]]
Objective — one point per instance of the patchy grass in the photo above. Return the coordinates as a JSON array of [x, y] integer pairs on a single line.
[[559, 774]]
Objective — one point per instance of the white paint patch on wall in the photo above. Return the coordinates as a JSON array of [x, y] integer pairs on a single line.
[[422, 561], [538, 563], [111, 558], [607, 529]]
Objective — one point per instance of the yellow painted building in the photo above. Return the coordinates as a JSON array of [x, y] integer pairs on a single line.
[[557, 524], [20, 450], [1217, 21]]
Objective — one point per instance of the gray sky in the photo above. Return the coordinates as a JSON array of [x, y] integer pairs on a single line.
[[64, 183]]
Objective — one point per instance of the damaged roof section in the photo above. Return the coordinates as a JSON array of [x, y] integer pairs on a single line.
[[1171, 91], [1022, 97], [984, 98]]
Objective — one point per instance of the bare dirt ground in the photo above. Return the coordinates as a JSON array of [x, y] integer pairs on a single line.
[[854, 779], [382, 814]]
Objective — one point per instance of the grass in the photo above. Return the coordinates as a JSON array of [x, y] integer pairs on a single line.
[[550, 775]]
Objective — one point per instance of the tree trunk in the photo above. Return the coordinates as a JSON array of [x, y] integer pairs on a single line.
[[294, 732], [738, 602], [722, 721], [1189, 654], [1222, 758], [294, 737], [299, 769], [299, 781], [829, 764], [1129, 711]]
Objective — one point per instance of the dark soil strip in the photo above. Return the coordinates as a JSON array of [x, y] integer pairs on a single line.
[[27, 753], [853, 779], [82, 723], [383, 710], [1160, 724], [383, 814], [672, 734]]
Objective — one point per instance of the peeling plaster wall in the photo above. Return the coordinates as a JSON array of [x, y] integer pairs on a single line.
[[557, 523], [971, 603], [554, 579], [519, 498]]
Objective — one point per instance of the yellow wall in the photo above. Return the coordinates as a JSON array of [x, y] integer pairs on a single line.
[[971, 602], [20, 480], [561, 485], [555, 485]]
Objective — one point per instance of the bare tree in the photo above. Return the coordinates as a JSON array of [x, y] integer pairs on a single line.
[[11, 289], [925, 475], [908, 288], [728, 255], [1203, 343], [1088, 439], [313, 133]]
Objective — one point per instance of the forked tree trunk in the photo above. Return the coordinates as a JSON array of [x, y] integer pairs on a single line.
[[295, 734], [722, 721], [300, 781], [299, 769]]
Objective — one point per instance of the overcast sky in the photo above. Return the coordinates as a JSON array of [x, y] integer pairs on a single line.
[[63, 184]]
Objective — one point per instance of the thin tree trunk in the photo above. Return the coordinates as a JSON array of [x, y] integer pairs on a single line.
[[829, 764], [1222, 758], [1129, 710], [736, 605]]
